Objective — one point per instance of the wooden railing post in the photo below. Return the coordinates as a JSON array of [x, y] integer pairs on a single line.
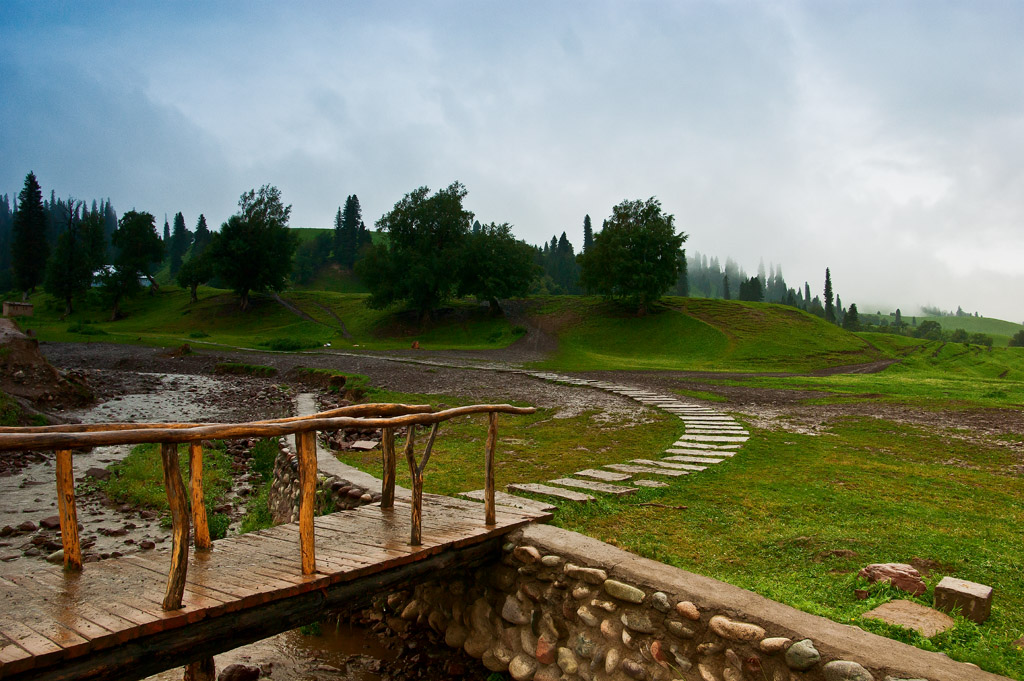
[[417, 487], [387, 487], [200, 526], [305, 443], [179, 523], [492, 438], [67, 510]]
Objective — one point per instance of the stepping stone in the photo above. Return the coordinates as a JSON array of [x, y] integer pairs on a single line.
[[628, 468], [912, 615], [709, 419], [650, 483], [714, 438], [699, 452], [702, 445], [693, 459], [591, 486], [606, 476], [716, 431], [674, 466], [364, 445], [502, 499], [557, 492]]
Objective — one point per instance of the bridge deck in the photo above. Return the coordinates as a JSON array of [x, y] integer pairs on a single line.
[[48, 618]]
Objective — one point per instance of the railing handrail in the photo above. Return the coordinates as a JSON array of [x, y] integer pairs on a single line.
[[182, 433], [387, 417]]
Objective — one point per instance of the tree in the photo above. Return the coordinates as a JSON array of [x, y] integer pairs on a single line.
[[751, 290], [725, 287], [419, 263], [928, 330], [194, 272], [201, 238], [1017, 340], [29, 248], [851, 321], [181, 239], [830, 310], [167, 232], [898, 321], [635, 258], [496, 265], [350, 234], [254, 249], [139, 250], [69, 270], [588, 234], [310, 256], [959, 336], [980, 339]]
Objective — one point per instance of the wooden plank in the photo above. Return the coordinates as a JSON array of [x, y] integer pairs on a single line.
[[492, 438], [179, 523], [387, 488], [67, 511], [201, 527], [305, 444]]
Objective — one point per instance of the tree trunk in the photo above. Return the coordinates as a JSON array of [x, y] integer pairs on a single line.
[[116, 313], [153, 286], [193, 297], [67, 307], [245, 299]]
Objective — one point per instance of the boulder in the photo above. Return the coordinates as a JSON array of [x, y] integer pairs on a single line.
[[972, 600], [902, 576]]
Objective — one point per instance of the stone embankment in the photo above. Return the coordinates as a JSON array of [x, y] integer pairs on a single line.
[[558, 606], [333, 493]]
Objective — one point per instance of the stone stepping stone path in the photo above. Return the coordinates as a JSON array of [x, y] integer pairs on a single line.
[[547, 490], [710, 438], [502, 499], [592, 486]]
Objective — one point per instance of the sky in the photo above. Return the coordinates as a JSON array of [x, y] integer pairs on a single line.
[[881, 139]]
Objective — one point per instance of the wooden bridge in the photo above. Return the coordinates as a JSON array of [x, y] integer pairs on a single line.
[[131, 617]]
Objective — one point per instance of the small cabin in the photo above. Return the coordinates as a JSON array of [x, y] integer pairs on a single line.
[[17, 309]]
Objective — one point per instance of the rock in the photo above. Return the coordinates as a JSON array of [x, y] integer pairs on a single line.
[[514, 612], [146, 545], [503, 577], [624, 592], [633, 669], [531, 591], [583, 645], [6, 531], [921, 618], [497, 659], [548, 673], [581, 592], [104, 474], [545, 651], [27, 526], [551, 561], [611, 660], [658, 652], [972, 600], [586, 616], [412, 610], [364, 445], [688, 610], [455, 635], [802, 655], [680, 630], [526, 554], [638, 621], [610, 630], [773, 645], [902, 576], [842, 670], [50, 523], [735, 631], [477, 643], [589, 575], [705, 673], [660, 602], [56, 557], [567, 661], [239, 672], [522, 667]]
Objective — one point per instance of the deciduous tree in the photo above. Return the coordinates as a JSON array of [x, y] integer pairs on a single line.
[[139, 250], [635, 257], [495, 265]]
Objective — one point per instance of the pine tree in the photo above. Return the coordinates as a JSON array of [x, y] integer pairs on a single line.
[[350, 234], [807, 296], [830, 310], [588, 234], [69, 271], [181, 239], [29, 248], [201, 239], [851, 320], [6, 225], [167, 232], [725, 287]]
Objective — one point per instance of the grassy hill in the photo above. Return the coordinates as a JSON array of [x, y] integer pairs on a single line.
[[1000, 330], [697, 334]]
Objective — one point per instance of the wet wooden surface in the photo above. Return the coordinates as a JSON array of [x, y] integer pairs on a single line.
[[49, 617]]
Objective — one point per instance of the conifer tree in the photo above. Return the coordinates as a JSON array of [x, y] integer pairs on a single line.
[[69, 270], [350, 234], [588, 234], [29, 248], [181, 239], [167, 232], [851, 321], [807, 296], [725, 287], [201, 239], [830, 310]]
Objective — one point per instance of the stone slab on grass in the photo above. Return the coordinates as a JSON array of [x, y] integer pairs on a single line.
[[650, 483], [972, 600], [557, 492], [502, 499], [651, 470], [699, 452], [921, 618], [604, 476], [693, 459], [592, 486], [364, 445], [669, 464], [713, 438], [703, 445]]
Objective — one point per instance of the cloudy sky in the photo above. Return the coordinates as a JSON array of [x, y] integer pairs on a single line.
[[884, 140]]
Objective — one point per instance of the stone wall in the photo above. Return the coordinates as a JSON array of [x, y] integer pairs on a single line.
[[560, 606], [332, 492]]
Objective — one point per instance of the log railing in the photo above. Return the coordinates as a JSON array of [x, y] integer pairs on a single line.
[[388, 417]]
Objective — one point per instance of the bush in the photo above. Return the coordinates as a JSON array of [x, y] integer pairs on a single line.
[[959, 336], [199, 334], [981, 339], [1017, 340], [86, 330], [291, 344]]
